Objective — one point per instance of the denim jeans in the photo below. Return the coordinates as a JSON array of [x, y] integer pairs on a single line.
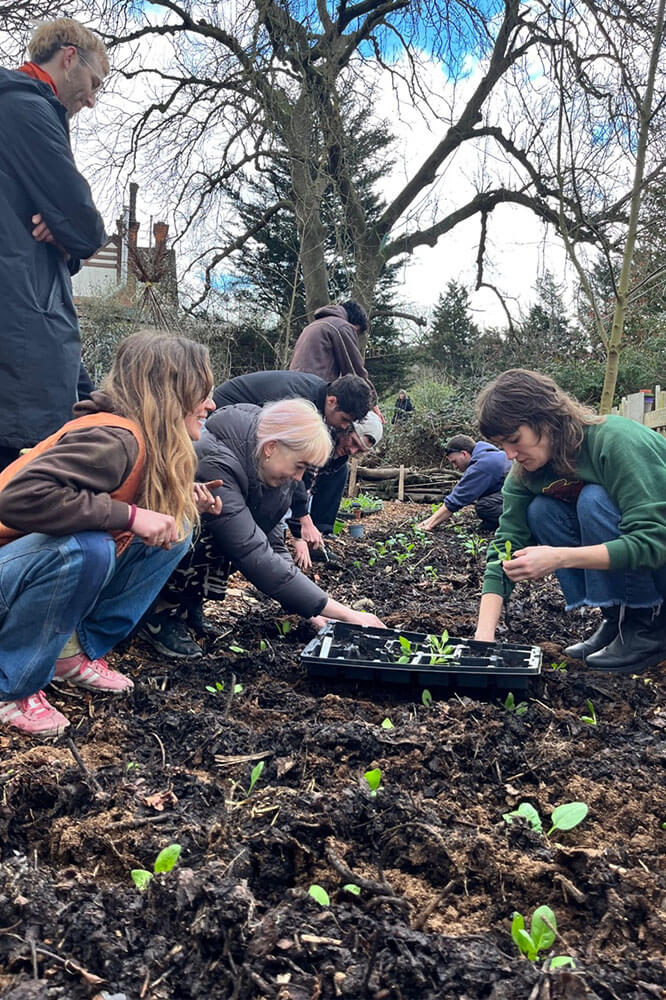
[[53, 586], [592, 520]]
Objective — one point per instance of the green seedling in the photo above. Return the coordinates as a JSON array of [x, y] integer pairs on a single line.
[[564, 817], [164, 862], [356, 564], [567, 816], [431, 573], [434, 507], [338, 527], [528, 813], [133, 766], [560, 962], [355, 890], [255, 774], [319, 895], [503, 555], [263, 645], [407, 651], [561, 667], [219, 688], [283, 627], [374, 780], [387, 724], [590, 719], [543, 929], [365, 502], [515, 708], [234, 648], [426, 698], [441, 651]]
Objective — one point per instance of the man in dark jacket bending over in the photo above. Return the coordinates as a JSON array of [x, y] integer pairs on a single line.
[[48, 224], [484, 468]]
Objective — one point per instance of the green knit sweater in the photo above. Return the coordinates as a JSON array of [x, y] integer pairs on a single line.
[[629, 461]]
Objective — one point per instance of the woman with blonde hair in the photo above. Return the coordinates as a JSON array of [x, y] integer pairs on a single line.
[[584, 500], [260, 454], [94, 519]]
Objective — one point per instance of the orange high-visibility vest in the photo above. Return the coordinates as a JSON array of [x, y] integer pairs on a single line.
[[125, 492]]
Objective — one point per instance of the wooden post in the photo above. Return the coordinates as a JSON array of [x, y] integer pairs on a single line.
[[401, 483], [353, 473]]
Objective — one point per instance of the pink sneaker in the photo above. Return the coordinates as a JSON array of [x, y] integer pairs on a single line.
[[95, 675], [33, 716]]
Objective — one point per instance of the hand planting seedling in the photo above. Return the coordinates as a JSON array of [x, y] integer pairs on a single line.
[[374, 780], [590, 719], [164, 862], [514, 708]]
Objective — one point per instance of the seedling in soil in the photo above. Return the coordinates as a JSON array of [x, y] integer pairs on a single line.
[[561, 667], [164, 862], [543, 929], [338, 527], [426, 698], [234, 648], [255, 774], [374, 780], [355, 890], [387, 724], [590, 719], [528, 812], [319, 895], [283, 627], [219, 688], [431, 573], [564, 817], [133, 766], [516, 708]]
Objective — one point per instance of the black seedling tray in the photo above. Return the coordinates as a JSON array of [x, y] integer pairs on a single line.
[[355, 653]]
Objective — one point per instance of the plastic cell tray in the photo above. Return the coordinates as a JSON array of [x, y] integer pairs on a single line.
[[351, 652]]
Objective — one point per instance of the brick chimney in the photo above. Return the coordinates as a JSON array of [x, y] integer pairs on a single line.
[[160, 232]]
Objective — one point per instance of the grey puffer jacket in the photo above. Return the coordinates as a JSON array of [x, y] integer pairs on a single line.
[[251, 510]]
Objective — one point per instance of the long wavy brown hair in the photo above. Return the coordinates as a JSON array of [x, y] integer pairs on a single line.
[[157, 379], [520, 396]]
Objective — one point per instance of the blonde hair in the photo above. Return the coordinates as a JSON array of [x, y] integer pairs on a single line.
[[157, 379], [53, 35], [298, 425]]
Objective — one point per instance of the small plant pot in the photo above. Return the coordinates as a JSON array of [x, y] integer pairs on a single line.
[[356, 530]]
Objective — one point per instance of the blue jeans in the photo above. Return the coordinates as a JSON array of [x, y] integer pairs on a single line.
[[592, 520], [53, 586]]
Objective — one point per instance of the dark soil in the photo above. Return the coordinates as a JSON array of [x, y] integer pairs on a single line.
[[440, 872]]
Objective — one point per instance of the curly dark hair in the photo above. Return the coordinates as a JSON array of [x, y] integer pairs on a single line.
[[356, 314], [520, 396], [354, 395]]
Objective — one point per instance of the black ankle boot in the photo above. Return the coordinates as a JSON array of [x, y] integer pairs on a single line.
[[640, 644], [199, 624], [599, 639]]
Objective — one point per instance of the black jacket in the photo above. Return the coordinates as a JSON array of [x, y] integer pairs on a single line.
[[260, 388], [251, 510], [39, 331]]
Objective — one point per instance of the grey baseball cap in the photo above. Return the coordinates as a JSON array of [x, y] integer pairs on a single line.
[[371, 426]]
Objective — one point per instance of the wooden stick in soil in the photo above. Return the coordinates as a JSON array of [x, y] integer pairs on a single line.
[[86, 773]]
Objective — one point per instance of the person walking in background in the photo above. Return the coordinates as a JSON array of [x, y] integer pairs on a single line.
[[584, 500], [48, 223], [484, 468], [260, 455], [94, 519], [403, 407]]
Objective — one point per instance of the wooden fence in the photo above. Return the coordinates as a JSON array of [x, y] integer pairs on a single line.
[[647, 408]]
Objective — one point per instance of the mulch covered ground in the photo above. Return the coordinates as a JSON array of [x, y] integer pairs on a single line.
[[440, 872]]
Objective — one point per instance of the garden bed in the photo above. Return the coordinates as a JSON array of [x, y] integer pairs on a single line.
[[440, 872]]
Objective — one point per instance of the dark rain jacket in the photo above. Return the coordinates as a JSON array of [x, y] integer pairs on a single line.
[[251, 510], [39, 332]]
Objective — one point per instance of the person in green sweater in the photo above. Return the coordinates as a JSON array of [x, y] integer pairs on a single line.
[[586, 500]]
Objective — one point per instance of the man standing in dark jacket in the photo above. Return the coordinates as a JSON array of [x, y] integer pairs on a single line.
[[48, 224], [329, 346], [484, 468]]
